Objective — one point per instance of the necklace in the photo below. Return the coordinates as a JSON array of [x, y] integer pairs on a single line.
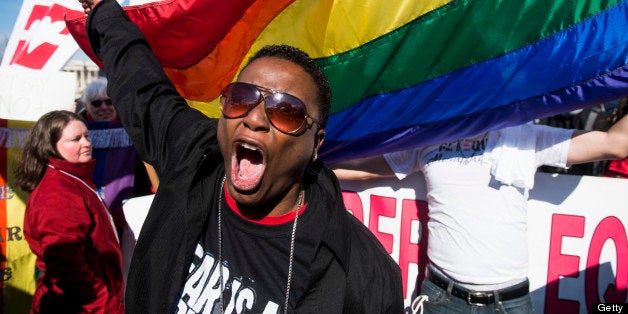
[[292, 238]]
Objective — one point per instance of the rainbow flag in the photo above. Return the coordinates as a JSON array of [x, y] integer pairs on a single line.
[[17, 262], [403, 73]]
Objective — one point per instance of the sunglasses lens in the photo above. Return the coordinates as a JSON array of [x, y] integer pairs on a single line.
[[97, 103], [286, 112], [237, 99]]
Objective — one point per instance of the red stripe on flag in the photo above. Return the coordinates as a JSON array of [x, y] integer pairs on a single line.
[[190, 36], [204, 80], [172, 27]]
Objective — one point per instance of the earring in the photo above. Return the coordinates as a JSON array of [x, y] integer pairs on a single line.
[[315, 157]]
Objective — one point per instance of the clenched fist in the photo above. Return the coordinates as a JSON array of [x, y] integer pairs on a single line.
[[88, 5]]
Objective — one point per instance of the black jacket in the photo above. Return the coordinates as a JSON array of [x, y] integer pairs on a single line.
[[351, 272]]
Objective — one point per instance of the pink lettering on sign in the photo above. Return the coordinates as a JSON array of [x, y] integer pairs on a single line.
[[610, 228], [382, 206], [353, 203], [563, 265], [412, 247], [413, 252]]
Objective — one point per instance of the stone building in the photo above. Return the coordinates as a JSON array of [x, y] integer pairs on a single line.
[[85, 70]]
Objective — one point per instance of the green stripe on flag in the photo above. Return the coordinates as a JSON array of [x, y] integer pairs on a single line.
[[451, 37]]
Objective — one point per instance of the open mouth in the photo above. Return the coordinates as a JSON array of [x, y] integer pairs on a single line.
[[247, 166]]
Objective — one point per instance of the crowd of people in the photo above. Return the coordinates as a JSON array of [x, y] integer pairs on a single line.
[[247, 219]]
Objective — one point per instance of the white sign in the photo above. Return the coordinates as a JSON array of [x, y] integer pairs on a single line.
[[576, 228], [578, 242], [27, 94], [40, 39]]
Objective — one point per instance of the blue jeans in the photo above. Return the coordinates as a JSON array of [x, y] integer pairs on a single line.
[[440, 302]]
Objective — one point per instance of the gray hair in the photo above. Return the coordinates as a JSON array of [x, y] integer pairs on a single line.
[[96, 89]]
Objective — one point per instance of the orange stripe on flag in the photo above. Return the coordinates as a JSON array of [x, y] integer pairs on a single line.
[[229, 28], [224, 61]]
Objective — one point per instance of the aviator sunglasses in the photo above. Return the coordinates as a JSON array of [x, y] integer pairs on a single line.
[[285, 112], [98, 102]]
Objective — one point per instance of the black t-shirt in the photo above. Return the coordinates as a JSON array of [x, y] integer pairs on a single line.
[[255, 258]]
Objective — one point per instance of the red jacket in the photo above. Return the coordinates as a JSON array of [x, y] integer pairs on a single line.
[[78, 252]]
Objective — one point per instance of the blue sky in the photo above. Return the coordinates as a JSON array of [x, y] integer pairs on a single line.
[[9, 9]]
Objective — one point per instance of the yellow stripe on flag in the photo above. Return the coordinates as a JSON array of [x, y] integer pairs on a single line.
[[325, 28]]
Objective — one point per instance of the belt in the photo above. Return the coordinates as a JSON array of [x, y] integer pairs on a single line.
[[480, 297]]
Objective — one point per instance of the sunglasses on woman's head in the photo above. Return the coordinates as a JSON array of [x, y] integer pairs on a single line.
[[285, 112], [98, 102]]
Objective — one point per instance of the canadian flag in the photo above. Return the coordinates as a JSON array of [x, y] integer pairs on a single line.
[[40, 39]]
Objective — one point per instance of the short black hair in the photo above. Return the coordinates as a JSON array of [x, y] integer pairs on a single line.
[[301, 58]]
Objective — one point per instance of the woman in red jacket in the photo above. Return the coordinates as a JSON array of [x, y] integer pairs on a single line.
[[67, 225]]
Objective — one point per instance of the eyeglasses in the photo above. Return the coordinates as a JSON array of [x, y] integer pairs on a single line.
[[285, 112], [98, 102]]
